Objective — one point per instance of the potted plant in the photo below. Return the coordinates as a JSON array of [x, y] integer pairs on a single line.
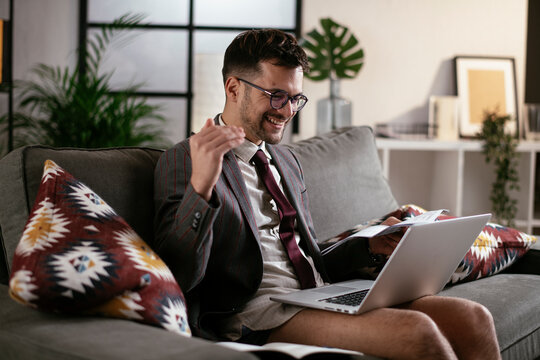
[[500, 147], [66, 107], [333, 54]]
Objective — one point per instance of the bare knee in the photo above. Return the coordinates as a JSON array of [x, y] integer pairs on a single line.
[[481, 315], [424, 340], [478, 323]]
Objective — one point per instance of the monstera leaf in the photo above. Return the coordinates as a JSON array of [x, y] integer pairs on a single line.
[[333, 53]]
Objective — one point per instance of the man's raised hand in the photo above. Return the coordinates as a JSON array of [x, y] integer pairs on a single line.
[[207, 149]]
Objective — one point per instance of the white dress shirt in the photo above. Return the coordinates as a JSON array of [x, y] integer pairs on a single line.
[[261, 313]]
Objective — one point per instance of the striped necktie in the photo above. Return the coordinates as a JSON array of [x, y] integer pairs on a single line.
[[287, 216]]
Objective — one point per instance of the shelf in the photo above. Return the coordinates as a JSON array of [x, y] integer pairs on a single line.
[[455, 177], [436, 145]]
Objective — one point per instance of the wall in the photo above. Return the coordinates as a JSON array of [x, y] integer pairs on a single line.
[[45, 31], [409, 47]]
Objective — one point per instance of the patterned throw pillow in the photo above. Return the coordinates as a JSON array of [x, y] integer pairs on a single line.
[[495, 249], [76, 255]]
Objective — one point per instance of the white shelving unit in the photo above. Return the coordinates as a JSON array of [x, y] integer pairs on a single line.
[[453, 175]]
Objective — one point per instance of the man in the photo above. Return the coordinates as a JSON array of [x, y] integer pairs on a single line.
[[220, 230]]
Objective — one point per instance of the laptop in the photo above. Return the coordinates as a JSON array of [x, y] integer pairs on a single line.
[[422, 263]]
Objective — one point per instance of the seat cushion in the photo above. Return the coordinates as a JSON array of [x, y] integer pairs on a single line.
[[513, 300], [29, 334]]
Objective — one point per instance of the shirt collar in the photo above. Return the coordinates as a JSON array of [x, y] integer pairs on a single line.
[[247, 149]]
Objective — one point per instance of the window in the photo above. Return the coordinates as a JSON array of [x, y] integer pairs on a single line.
[[177, 54]]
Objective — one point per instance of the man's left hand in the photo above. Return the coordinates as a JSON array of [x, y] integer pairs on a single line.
[[386, 244]]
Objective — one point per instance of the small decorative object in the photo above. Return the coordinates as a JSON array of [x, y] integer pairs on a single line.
[[531, 121], [500, 147], [404, 130], [485, 84], [443, 118], [333, 55]]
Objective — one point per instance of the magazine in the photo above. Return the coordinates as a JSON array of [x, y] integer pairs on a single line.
[[280, 350], [379, 230]]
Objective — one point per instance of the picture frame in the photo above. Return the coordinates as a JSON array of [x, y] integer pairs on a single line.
[[485, 84]]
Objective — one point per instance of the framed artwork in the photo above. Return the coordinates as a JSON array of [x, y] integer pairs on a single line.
[[485, 84]]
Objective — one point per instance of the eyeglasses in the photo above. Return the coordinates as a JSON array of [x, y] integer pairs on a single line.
[[279, 98]]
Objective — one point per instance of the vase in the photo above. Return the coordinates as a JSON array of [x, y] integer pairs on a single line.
[[334, 111]]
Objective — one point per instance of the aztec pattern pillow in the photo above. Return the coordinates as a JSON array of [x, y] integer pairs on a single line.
[[76, 255], [495, 249]]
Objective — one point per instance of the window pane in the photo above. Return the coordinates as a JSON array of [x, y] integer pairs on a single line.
[[156, 58], [174, 112], [213, 42], [208, 92], [158, 12], [246, 13]]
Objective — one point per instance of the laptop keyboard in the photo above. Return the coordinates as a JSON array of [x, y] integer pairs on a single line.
[[351, 299]]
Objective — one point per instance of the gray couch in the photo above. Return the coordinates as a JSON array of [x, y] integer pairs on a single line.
[[345, 185]]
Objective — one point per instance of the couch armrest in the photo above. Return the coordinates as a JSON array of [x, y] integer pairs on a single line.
[[528, 264]]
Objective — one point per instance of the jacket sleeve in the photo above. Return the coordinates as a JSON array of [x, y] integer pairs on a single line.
[[183, 219], [351, 259]]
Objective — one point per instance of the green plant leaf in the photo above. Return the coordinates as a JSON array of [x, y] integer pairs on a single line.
[[500, 148], [333, 53]]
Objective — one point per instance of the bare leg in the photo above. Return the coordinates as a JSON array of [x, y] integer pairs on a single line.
[[388, 333], [467, 325], [432, 327]]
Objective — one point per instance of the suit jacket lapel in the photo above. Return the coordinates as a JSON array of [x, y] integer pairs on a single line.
[[234, 177], [294, 194], [291, 189]]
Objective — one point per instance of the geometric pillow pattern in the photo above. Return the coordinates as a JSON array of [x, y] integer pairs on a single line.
[[495, 249], [77, 256]]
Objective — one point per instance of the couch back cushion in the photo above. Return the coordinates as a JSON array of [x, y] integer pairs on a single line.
[[344, 180], [123, 177], [342, 173]]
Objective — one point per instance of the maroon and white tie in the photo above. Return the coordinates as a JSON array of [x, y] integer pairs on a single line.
[[287, 216]]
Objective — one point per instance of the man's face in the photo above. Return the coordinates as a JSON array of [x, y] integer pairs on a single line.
[[260, 121]]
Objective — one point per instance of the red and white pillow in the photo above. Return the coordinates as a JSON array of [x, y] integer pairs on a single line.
[[495, 249], [76, 255]]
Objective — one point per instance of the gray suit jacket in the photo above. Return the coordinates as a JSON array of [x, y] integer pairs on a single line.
[[212, 248]]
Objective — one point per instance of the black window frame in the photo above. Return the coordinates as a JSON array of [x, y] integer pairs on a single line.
[[191, 28]]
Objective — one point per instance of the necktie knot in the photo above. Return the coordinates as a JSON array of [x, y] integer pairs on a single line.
[[260, 158]]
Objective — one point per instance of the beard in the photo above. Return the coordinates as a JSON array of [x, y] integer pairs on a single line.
[[260, 127]]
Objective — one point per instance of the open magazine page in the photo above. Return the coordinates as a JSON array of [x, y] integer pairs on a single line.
[[295, 351], [379, 230]]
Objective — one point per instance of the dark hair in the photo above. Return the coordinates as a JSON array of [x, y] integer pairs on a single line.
[[249, 48]]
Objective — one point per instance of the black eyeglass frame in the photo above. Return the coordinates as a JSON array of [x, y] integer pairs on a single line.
[[294, 99]]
